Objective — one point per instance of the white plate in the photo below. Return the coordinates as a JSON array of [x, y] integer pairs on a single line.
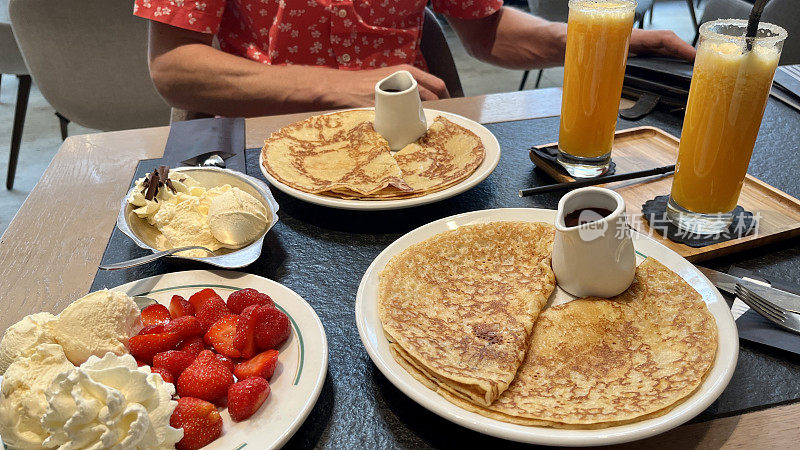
[[371, 332], [303, 359], [490, 160]]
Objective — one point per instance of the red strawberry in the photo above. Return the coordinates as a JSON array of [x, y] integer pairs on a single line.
[[192, 345], [241, 299], [262, 365], [201, 297], [145, 346], [200, 421], [173, 361], [165, 374], [206, 378], [245, 338], [225, 360], [179, 307], [185, 326], [155, 314], [151, 329], [246, 396], [211, 311], [272, 328], [221, 336], [140, 363]]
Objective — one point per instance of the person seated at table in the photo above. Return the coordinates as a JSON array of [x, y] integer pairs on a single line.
[[282, 56]]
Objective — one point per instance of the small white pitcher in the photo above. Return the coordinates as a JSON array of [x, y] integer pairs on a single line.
[[595, 259], [398, 110]]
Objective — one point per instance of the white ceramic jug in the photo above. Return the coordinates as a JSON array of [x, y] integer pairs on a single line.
[[594, 259], [398, 110]]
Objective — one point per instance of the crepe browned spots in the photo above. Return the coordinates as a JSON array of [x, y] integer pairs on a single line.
[[341, 155], [461, 304], [595, 363]]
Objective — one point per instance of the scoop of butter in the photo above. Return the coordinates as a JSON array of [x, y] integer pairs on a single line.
[[236, 218]]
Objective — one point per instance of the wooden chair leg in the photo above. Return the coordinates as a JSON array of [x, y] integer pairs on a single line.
[[20, 109], [524, 79], [62, 122]]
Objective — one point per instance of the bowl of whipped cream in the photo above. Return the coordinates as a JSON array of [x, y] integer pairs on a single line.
[[225, 211]]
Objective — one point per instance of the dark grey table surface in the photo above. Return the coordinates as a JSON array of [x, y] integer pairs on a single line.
[[322, 253]]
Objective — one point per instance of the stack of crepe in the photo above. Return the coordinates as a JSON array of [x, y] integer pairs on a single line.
[[463, 314], [341, 155]]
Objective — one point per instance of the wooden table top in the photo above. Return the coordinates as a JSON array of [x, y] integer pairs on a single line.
[[50, 252]]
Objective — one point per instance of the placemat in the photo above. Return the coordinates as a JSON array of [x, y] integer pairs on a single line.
[[321, 253]]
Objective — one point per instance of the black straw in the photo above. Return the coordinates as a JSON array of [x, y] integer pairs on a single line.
[[594, 181], [752, 23]]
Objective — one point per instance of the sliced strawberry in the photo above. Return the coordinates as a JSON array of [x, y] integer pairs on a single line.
[[145, 346], [241, 299], [211, 311], [221, 336], [200, 421], [246, 396], [201, 297], [262, 365], [152, 329], [185, 326], [206, 378], [193, 345], [179, 307], [225, 360], [173, 361], [165, 374], [245, 338], [272, 328], [155, 314]]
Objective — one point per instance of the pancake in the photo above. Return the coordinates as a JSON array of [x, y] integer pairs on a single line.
[[461, 305], [594, 363], [340, 155], [340, 150]]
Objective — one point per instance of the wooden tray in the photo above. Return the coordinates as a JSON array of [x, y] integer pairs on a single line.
[[648, 147]]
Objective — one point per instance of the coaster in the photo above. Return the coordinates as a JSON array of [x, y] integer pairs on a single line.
[[550, 156], [655, 212]]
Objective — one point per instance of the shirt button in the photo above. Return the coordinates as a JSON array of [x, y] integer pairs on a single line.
[[342, 13], [346, 58]]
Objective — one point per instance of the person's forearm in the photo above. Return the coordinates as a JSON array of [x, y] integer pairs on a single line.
[[516, 40], [200, 78]]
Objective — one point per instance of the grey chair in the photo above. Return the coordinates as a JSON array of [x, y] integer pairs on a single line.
[[11, 63], [558, 11], [89, 60], [785, 13], [433, 46]]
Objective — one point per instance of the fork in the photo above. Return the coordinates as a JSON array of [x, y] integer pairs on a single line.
[[772, 312], [792, 71]]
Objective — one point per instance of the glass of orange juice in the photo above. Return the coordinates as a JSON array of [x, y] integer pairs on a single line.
[[598, 34], [727, 98]]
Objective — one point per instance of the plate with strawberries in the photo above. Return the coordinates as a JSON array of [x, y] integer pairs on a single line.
[[247, 355]]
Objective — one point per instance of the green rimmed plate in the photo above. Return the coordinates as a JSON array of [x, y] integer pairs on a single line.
[[303, 360]]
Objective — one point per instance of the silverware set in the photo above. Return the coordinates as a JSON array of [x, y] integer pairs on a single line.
[[778, 315]]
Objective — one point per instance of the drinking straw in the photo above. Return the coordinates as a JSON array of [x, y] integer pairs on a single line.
[[752, 23]]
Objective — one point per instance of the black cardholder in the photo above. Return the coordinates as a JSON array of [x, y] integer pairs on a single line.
[[655, 83]]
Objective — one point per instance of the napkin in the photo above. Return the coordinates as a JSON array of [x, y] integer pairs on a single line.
[[191, 138], [786, 87], [755, 328]]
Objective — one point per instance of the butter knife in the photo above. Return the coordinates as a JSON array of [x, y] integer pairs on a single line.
[[727, 283]]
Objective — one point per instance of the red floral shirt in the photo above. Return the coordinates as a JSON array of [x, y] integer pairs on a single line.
[[343, 34]]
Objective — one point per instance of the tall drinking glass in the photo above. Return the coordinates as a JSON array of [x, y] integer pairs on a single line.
[[727, 98], [598, 34]]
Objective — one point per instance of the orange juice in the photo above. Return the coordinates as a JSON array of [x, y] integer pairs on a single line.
[[598, 33], [727, 99]]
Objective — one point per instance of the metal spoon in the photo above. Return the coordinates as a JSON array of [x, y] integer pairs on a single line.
[[150, 258]]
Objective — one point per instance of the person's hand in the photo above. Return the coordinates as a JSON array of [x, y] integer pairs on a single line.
[[357, 88], [662, 43]]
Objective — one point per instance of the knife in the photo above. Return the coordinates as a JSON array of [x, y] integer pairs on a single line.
[[727, 283]]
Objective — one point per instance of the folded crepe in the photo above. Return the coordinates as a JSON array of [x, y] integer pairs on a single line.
[[461, 305]]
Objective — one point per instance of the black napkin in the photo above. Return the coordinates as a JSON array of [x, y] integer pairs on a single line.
[[194, 137], [755, 328], [655, 212]]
